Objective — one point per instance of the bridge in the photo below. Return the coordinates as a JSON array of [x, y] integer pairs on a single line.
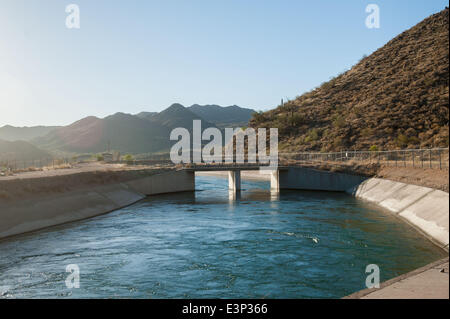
[[234, 172], [296, 169]]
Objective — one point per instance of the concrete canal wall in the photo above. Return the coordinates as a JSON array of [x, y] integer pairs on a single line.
[[61, 206], [314, 179], [424, 208]]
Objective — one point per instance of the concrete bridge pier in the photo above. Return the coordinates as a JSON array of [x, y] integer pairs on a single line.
[[234, 180], [275, 181]]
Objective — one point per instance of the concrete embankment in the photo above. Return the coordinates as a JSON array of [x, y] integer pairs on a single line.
[[31, 204], [428, 282], [314, 179], [424, 208]]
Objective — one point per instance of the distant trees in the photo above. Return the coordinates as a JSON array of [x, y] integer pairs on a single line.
[[128, 158]]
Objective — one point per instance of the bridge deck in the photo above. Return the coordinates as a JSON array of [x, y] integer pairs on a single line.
[[197, 168]]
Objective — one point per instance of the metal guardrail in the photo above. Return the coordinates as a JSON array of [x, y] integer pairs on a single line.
[[436, 158]]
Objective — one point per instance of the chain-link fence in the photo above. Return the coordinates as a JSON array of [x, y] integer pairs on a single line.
[[437, 158], [17, 165]]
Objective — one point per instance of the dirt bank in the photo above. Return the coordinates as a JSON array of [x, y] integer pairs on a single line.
[[433, 178]]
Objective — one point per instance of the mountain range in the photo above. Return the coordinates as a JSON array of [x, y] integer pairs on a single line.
[[142, 133]]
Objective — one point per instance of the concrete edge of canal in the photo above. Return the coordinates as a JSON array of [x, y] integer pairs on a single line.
[[428, 282], [426, 209], [59, 206]]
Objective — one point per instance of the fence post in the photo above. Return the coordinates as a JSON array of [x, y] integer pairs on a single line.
[[404, 158], [421, 157], [440, 160], [413, 158], [430, 160]]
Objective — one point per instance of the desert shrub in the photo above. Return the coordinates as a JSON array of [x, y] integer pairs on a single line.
[[339, 122], [414, 140], [99, 157], [128, 158], [411, 132], [373, 148], [428, 82], [288, 123], [313, 134], [402, 140], [366, 132], [389, 130], [259, 117], [297, 119], [338, 142]]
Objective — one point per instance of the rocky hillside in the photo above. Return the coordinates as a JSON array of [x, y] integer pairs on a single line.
[[395, 98]]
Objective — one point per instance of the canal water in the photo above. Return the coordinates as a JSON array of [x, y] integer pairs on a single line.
[[208, 245]]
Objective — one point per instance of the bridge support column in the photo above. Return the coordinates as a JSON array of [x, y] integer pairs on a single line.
[[234, 180], [275, 181]]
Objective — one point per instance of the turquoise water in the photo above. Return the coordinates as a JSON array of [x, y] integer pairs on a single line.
[[208, 245]]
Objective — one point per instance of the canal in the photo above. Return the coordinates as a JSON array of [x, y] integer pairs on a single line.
[[204, 244]]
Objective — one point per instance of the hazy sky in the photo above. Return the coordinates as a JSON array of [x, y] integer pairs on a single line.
[[132, 56]]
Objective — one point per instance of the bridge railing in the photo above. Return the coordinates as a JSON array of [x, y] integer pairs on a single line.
[[435, 158]]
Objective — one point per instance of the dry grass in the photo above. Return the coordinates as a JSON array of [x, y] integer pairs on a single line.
[[433, 178], [40, 169]]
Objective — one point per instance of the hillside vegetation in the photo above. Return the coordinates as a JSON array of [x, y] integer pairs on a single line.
[[395, 98]]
